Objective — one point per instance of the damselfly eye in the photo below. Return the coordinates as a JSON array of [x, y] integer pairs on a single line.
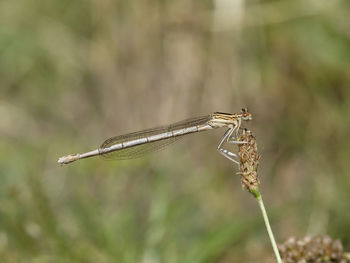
[[246, 115]]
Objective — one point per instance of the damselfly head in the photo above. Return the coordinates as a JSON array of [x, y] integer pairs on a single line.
[[245, 114]]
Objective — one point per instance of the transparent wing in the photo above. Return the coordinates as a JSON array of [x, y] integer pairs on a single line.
[[142, 149]]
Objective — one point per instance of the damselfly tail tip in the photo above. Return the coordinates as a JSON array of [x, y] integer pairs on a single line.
[[68, 159]]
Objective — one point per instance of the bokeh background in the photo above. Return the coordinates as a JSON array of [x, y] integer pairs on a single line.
[[73, 73]]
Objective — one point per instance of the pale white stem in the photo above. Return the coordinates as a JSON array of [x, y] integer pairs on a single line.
[[268, 227]]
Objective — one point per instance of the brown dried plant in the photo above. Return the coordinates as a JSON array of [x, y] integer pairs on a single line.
[[318, 249], [249, 161], [248, 171]]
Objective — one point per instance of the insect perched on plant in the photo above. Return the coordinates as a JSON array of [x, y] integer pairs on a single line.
[[136, 144]]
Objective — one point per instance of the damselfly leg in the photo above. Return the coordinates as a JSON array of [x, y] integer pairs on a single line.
[[229, 155], [230, 138]]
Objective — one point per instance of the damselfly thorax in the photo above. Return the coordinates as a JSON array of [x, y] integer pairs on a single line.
[[136, 144]]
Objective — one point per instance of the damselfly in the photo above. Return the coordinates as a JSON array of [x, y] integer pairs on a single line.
[[138, 143]]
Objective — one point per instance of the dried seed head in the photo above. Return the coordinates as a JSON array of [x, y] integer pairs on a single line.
[[320, 249], [249, 160]]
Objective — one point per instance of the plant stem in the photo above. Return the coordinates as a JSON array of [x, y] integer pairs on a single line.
[[257, 195]]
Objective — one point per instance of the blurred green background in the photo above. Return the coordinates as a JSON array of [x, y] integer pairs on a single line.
[[73, 73]]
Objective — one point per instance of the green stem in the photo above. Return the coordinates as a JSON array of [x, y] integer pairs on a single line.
[[257, 195]]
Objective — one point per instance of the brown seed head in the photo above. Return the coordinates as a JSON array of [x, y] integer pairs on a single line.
[[249, 161], [320, 249]]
